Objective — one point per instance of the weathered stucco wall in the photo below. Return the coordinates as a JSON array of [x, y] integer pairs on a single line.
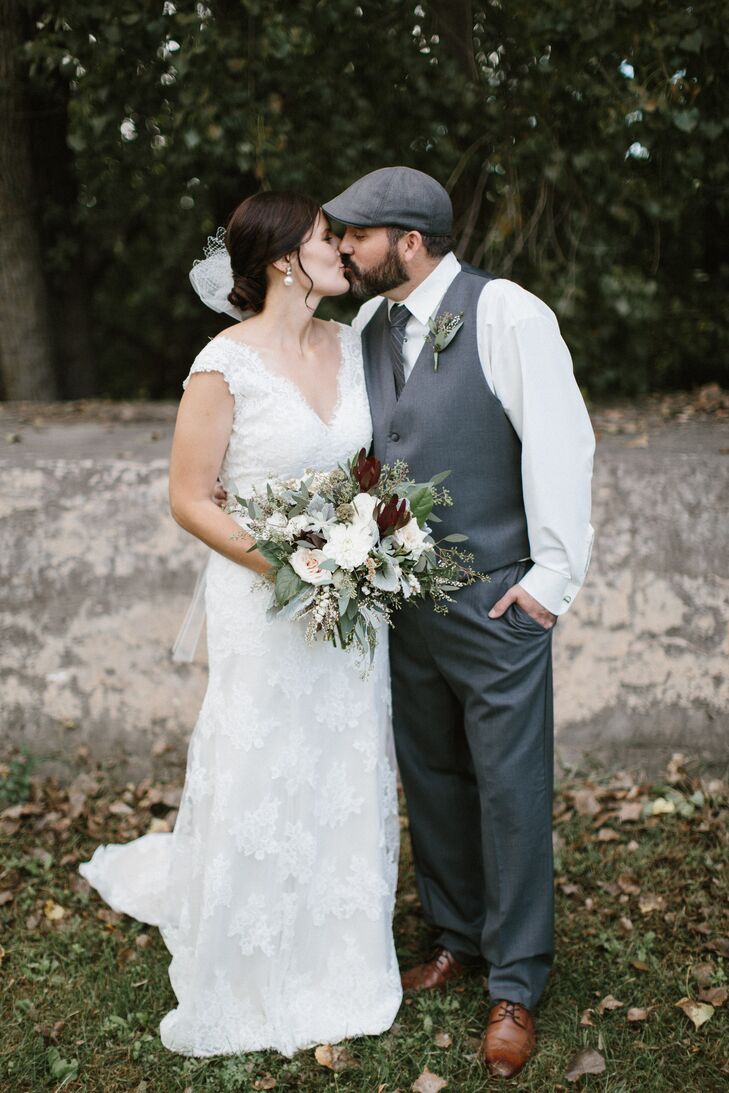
[[96, 578]]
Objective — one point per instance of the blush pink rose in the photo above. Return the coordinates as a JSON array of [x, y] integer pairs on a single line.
[[306, 563]]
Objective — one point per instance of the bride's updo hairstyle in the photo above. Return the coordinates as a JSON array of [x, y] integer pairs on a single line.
[[261, 230]]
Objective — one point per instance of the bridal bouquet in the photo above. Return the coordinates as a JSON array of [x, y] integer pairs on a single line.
[[348, 546]]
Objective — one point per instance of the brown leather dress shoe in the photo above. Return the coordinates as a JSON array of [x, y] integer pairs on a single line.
[[436, 972], [509, 1040]]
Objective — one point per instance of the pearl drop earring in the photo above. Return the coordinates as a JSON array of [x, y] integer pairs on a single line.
[[289, 277]]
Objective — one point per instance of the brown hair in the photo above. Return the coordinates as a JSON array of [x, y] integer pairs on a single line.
[[436, 246], [262, 229]]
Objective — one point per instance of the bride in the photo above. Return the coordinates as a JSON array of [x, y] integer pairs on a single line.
[[274, 893]]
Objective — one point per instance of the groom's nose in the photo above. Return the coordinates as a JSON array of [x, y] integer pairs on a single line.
[[345, 247]]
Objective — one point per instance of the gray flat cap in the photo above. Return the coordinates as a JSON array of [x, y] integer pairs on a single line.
[[400, 197]]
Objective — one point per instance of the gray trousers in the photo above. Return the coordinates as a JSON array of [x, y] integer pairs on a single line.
[[473, 723]]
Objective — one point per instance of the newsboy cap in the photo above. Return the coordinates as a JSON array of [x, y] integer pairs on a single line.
[[398, 197]]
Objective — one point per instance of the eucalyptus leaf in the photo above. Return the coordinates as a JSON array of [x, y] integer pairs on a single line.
[[287, 584], [421, 504], [297, 605], [386, 578]]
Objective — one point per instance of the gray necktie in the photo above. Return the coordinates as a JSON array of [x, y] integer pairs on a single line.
[[399, 316]]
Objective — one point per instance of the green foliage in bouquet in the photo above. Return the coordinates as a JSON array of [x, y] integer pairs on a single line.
[[348, 547]]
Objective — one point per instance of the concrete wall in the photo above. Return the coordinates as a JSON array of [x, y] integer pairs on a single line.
[[96, 578]]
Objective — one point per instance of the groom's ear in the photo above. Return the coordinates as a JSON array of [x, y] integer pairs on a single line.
[[410, 244]]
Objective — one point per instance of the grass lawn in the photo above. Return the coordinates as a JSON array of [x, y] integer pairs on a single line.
[[642, 924]]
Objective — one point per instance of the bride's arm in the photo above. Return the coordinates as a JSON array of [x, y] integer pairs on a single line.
[[202, 432]]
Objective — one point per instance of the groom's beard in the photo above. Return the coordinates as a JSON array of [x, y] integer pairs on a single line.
[[389, 274]]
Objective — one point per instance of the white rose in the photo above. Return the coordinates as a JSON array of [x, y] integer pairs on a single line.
[[349, 544], [305, 562], [412, 538], [364, 505]]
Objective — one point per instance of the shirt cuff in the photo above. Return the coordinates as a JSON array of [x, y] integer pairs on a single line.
[[552, 590]]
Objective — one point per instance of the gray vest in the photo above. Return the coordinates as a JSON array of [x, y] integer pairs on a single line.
[[451, 420]]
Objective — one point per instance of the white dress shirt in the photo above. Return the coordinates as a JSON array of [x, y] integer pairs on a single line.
[[528, 367]]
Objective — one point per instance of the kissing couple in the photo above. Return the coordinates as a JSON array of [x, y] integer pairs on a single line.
[[275, 892]]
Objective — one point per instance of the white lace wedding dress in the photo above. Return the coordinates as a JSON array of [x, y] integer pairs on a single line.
[[275, 891]]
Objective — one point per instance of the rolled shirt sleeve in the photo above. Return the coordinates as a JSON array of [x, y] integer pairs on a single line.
[[529, 369]]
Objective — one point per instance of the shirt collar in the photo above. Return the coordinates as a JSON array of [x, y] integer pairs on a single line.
[[423, 300]]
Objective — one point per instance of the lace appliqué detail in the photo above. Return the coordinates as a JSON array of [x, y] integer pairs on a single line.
[[274, 893]]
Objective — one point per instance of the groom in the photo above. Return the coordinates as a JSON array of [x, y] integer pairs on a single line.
[[472, 690]]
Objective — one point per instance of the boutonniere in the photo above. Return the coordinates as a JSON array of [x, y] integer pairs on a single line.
[[442, 330]]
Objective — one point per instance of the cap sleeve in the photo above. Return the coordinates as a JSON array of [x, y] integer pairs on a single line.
[[217, 357]]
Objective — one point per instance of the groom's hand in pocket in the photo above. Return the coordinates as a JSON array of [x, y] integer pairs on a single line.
[[517, 594]]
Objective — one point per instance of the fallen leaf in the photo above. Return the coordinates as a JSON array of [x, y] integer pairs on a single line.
[[675, 769], [662, 807], [428, 1082], [607, 835], [53, 911], [632, 846], [120, 808], [640, 965], [585, 1019], [719, 945], [697, 1012], [609, 1003], [266, 1082], [586, 803], [630, 812], [703, 973], [715, 996], [442, 1039], [628, 883], [626, 925], [6, 897], [637, 1014], [334, 1057], [651, 902], [586, 1061]]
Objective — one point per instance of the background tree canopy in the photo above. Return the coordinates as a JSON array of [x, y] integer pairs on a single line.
[[580, 142]]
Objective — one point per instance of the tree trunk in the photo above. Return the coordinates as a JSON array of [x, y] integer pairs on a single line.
[[453, 20], [25, 338], [67, 286]]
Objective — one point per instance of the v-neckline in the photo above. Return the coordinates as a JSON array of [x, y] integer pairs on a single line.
[[255, 353]]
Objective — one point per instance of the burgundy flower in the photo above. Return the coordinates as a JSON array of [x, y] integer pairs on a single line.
[[317, 541], [366, 471], [391, 515]]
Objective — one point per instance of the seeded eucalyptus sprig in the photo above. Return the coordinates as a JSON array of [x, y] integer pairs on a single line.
[[441, 332]]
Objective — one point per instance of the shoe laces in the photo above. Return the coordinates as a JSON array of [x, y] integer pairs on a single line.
[[506, 1009], [442, 958]]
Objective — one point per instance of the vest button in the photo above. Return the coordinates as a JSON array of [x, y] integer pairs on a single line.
[[394, 437]]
